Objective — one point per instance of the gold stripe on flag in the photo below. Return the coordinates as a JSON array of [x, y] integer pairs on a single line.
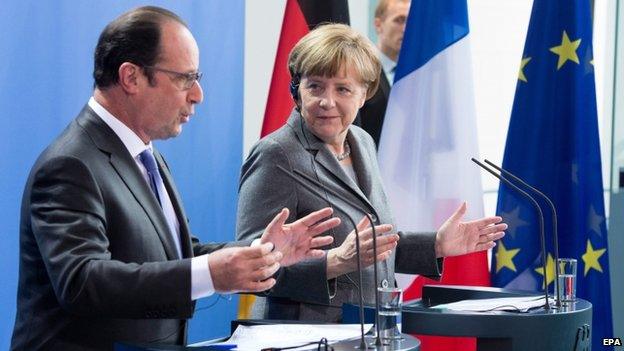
[[244, 305]]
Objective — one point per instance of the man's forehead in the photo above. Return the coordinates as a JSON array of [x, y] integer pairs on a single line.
[[397, 7], [177, 43]]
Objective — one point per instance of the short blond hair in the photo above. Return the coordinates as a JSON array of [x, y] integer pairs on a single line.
[[331, 47]]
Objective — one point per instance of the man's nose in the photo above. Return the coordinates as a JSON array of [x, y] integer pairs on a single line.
[[196, 93]]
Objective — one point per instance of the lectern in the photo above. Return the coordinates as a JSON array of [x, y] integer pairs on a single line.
[[565, 329]]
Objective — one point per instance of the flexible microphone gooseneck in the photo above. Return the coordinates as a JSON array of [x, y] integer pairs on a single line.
[[540, 218], [320, 185], [362, 210], [553, 213], [357, 251]]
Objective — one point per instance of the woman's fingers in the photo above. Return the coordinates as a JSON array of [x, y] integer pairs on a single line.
[[381, 241], [385, 245]]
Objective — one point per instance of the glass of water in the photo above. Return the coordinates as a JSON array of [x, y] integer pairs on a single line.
[[567, 279], [390, 303]]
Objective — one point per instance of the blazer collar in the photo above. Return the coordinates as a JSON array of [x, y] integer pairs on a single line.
[[361, 163], [327, 160], [119, 157], [309, 141]]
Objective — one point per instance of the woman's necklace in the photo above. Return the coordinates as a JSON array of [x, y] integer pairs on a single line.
[[345, 154]]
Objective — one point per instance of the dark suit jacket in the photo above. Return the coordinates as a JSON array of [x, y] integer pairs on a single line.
[[371, 115], [303, 291], [97, 263]]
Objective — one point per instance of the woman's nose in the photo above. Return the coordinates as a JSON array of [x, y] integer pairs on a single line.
[[327, 100]]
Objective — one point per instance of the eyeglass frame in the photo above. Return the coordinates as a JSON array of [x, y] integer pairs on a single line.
[[189, 78]]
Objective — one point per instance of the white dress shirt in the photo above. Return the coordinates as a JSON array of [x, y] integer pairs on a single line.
[[201, 280], [388, 66]]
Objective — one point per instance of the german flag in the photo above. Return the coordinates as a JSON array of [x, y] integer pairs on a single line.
[[300, 17]]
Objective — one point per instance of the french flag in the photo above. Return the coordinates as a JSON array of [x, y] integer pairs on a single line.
[[428, 138]]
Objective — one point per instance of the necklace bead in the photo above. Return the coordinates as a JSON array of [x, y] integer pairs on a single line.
[[345, 154]]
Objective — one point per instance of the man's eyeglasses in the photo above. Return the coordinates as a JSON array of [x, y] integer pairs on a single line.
[[187, 79]]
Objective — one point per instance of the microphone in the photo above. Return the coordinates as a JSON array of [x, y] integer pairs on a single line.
[[553, 213], [317, 193], [540, 218], [362, 210]]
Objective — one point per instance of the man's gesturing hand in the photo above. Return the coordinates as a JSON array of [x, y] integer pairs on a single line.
[[298, 240], [235, 269]]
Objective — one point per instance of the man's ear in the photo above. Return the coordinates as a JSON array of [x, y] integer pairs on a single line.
[[377, 25], [129, 77]]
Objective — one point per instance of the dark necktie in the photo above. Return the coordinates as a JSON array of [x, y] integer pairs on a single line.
[[160, 192]]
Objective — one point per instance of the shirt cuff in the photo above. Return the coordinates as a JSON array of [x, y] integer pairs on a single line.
[[201, 281]]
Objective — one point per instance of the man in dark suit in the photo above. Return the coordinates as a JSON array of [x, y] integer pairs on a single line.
[[389, 22], [106, 253]]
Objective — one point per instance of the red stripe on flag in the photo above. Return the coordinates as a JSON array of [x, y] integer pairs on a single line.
[[280, 103], [460, 270], [444, 343]]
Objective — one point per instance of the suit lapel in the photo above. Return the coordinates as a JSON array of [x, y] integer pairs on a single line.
[[176, 200], [361, 162], [125, 166], [324, 157], [362, 165]]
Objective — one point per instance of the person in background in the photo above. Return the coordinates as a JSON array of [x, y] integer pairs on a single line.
[[334, 70], [106, 252], [389, 23]]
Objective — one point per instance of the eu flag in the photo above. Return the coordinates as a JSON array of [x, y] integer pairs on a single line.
[[552, 143]]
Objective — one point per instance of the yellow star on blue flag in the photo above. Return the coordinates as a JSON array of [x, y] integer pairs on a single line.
[[504, 257], [566, 50], [590, 258]]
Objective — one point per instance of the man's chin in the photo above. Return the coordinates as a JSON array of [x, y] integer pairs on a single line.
[[176, 132], [170, 134]]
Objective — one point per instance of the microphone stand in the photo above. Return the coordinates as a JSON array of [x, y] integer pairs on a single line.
[[540, 218], [553, 214], [314, 191], [370, 220]]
